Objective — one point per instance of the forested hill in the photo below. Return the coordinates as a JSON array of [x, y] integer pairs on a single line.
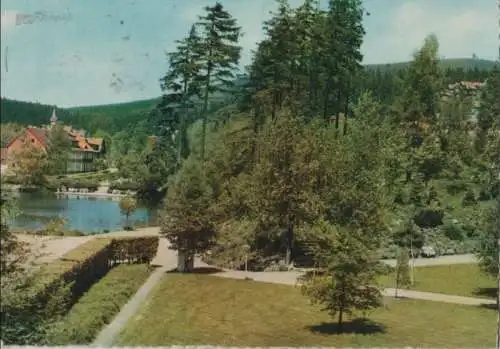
[[28, 113], [449, 63], [115, 117]]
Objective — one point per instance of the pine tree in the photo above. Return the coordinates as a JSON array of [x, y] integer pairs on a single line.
[[422, 86], [342, 55], [187, 222], [348, 281], [219, 55], [181, 85]]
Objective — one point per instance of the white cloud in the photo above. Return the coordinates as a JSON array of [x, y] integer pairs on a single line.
[[460, 31]]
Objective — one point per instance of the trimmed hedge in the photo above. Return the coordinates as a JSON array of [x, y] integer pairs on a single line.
[[98, 306], [89, 262], [54, 289], [84, 265], [134, 249]]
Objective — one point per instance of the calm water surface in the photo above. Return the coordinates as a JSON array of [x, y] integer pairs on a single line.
[[86, 214]]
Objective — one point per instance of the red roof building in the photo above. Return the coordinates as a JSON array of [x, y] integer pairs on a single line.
[[84, 151]]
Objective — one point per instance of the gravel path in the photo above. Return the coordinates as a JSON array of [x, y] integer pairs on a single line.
[[290, 278], [438, 297], [441, 260]]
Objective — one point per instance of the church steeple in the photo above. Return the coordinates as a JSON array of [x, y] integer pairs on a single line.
[[53, 118]]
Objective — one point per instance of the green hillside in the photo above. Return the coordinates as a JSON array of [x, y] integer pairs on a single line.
[[118, 108], [448, 63], [28, 113]]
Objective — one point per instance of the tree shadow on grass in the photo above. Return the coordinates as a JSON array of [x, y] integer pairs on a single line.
[[357, 326], [490, 306], [490, 292], [198, 270]]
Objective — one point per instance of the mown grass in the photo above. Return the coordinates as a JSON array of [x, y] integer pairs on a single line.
[[203, 309], [459, 279], [96, 308]]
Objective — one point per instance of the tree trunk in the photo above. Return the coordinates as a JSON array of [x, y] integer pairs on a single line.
[[205, 106], [346, 111], [180, 135], [326, 100], [397, 285], [337, 113], [185, 261], [289, 245], [340, 323]]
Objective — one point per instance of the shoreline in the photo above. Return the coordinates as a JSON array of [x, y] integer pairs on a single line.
[[90, 194]]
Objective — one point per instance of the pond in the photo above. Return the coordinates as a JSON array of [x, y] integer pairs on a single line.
[[86, 214]]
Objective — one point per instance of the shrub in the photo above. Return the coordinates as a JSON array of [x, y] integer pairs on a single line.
[[453, 231], [134, 249], [32, 304], [83, 266], [123, 186], [469, 198], [98, 306], [456, 187], [484, 194], [7, 179], [51, 292], [429, 218]]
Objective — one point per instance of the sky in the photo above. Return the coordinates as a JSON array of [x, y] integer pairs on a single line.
[[76, 53]]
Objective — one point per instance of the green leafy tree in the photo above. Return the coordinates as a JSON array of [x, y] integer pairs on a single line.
[[14, 253], [9, 131], [422, 86], [279, 195], [29, 165], [149, 169], [187, 222], [128, 205], [348, 281], [58, 150], [489, 241], [402, 276], [489, 108], [219, 55]]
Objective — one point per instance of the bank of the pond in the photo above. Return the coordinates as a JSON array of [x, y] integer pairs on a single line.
[[85, 213]]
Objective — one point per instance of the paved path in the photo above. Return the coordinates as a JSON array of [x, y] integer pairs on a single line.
[[290, 278], [441, 260], [438, 297]]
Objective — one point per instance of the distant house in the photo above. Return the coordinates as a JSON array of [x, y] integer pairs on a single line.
[[84, 150]]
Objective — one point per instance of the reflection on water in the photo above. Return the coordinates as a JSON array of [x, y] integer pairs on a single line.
[[86, 214]]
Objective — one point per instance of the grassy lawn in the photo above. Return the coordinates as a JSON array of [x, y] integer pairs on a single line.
[[203, 309], [99, 305], [458, 279]]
